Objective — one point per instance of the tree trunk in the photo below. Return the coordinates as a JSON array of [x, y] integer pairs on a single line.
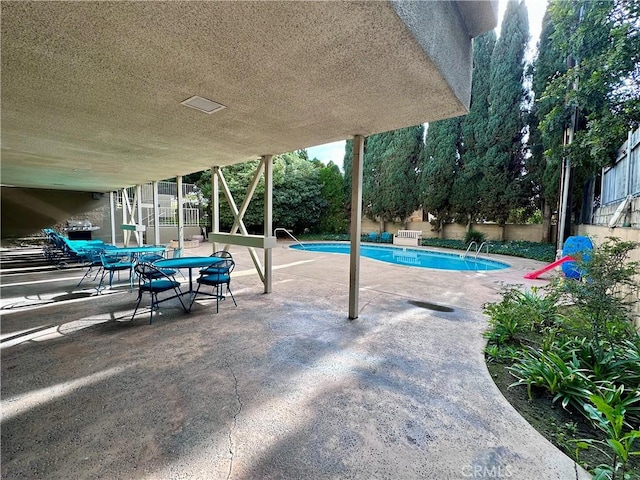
[[469, 223], [546, 223]]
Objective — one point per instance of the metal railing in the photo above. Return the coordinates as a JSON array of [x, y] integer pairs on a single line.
[[280, 229], [464, 255]]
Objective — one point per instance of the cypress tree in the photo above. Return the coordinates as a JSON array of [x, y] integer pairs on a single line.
[[398, 190], [439, 167], [475, 138], [544, 164], [503, 165]]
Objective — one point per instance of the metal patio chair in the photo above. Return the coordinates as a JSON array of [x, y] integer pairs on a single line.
[[216, 275], [153, 281], [112, 264]]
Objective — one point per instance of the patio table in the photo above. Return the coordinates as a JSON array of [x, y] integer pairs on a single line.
[[135, 251], [187, 262]]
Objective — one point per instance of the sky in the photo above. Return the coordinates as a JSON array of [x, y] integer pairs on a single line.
[[536, 8]]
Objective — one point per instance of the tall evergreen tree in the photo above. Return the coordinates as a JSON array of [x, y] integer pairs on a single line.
[[389, 177], [439, 168], [347, 166], [475, 138], [372, 175], [503, 165], [543, 166], [333, 218], [398, 190]]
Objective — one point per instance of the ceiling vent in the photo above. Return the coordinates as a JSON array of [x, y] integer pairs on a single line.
[[202, 104]]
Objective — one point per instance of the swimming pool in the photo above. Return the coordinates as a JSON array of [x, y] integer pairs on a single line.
[[413, 257]]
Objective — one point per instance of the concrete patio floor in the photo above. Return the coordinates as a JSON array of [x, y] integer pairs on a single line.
[[282, 387]]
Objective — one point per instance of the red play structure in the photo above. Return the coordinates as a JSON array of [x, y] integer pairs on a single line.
[[551, 266]]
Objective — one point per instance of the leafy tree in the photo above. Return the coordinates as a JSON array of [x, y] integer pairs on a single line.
[[440, 167], [398, 192], [503, 165], [602, 41], [475, 138], [372, 175], [544, 164], [297, 193], [389, 183], [347, 165], [333, 218]]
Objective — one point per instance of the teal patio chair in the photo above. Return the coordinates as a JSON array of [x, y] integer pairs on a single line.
[[152, 257], [113, 264], [218, 267], [216, 275], [153, 281]]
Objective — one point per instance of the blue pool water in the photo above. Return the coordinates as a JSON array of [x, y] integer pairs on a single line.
[[408, 256]]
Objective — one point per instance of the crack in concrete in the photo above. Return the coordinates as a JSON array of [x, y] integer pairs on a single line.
[[235, 422]]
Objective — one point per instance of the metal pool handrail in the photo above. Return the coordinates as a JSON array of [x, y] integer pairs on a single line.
[[288, 233]]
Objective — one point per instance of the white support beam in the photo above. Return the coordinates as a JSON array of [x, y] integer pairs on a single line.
[[250, 241], [215, 204], [138, 219], [247, 199], [356, 227], [180, 214], [112, 210], [156, 213], [241, 226], [126, 212], [267, 161]]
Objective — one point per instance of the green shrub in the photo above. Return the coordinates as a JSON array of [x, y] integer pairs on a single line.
[[474, 236], [619, 442], [558, 371], [519, 311]]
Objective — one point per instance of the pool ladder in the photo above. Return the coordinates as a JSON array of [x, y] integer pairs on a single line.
[[280, 229], [477, 251]]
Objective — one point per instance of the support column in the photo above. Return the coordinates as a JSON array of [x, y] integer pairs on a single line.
[[268, 221], [215, 204], [112, 209], [156, 214], [180, 215], [139, 234], [126, 234], [356, 225]]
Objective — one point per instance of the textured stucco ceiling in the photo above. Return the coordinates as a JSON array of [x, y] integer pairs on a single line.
[[91, 91]]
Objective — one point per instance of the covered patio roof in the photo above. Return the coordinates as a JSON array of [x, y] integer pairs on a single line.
[[92, 91]]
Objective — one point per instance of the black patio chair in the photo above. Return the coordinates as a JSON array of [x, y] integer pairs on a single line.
[[153, 281], [216, 275]]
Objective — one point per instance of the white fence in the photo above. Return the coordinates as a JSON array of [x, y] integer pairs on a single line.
[[168, 203], [623, 178]]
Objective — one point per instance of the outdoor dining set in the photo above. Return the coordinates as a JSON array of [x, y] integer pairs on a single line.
[[155, 274]]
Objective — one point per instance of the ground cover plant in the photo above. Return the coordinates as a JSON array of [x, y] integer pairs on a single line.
[[544, 252], [567, 356]]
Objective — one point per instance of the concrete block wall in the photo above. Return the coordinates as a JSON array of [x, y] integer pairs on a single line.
[[599, 234], [455, 231]]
